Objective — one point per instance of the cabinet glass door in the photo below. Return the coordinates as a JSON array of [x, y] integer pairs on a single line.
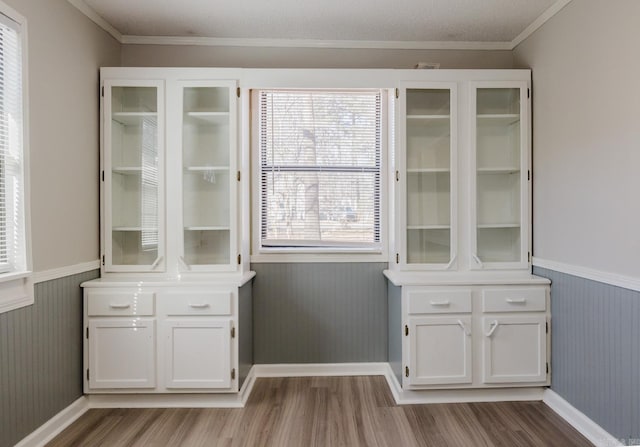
[[208, 175], [429, 175], [501, 163], [133, 154]]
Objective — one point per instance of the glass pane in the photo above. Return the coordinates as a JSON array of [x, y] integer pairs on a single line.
[[428, 146], [498, 155], [134, 175], [206, 175]]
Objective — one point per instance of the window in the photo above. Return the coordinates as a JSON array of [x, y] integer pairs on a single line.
[[15, 287], [320, 158]]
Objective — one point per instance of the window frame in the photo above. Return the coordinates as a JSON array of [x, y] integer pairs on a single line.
[[16, 285], [260, 253]]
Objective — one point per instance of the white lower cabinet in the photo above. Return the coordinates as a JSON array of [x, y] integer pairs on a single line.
[[121, 353], [514, 349], [440, 350], [161, 339], [471, 336], [197, 353]]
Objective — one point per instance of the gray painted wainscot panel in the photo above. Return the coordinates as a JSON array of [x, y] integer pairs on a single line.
[[596, 351], [245, 331], [395, 330], [41, 357], [320, 313]]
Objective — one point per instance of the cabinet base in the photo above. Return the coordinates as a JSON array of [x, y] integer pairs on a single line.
[[446, 396]]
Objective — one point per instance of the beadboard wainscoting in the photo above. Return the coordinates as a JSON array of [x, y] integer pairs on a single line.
[[596, 351], [319, 313], [41, 357]]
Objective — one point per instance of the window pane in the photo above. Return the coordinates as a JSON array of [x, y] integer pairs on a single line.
[[320, 156]]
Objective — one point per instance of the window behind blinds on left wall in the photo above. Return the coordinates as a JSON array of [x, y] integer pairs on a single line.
[[12, 222]]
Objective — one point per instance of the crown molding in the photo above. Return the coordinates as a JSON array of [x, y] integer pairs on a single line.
[[537, 23], [96, 18], [318, 43], [313, 43]]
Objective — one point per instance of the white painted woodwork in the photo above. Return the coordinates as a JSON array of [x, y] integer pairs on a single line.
[[121, 353], [119, 303], [197, 353], [441, 351], [468, 347], [514, 349], [439, 301], [196, 303], [514, 299]]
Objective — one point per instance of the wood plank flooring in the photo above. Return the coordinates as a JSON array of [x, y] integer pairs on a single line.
[[325, 411]]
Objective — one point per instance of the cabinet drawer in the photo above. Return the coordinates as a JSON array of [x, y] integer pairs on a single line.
[[110, 303], [514, 300], [439, 301], [195, 303]]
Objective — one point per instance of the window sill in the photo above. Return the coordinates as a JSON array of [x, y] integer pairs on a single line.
[[318, 257], [16, 291]]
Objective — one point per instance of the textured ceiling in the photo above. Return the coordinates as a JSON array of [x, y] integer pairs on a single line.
[[373, 20]]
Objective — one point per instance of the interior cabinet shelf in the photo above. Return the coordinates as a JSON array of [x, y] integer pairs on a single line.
[[499, 118], [207, 228], [505, 170], [206, 168], [426, 170], [429, 117], [209, 117], [428, 227], [132, 118], [499, 225], [134, 229], [127, 170]]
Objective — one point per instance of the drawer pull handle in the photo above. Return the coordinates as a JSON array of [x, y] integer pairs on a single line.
[[492, 328], [120, 306], [440, 303], [199, 306], [516, 300], [467, 332]]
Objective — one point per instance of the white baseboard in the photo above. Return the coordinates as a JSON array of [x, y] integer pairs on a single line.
[[588, 428], [54, 426], [321, 369]]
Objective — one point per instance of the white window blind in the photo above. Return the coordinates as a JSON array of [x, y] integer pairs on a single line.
[[12, 227], [320, 169]]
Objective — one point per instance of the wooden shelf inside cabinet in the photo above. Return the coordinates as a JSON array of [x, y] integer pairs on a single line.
[[209, 117], [500, 118], [429, 117], [428, 227], [492, 171], [427, 170], [498, 225], [133, 118], [127, 170], [206, 168]]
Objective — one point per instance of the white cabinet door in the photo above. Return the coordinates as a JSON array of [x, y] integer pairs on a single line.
[[440, 350], [122, 353], [197, 353], [514, 349], [133, 187]]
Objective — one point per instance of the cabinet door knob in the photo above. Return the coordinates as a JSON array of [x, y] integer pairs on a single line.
[[492, 328], [464, 327]]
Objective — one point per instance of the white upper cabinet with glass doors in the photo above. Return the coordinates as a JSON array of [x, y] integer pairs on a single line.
[[462, 173], [500, 171], [133, 176], [208, 175], [428, 186]]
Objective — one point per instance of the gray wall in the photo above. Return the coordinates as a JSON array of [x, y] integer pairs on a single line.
[[320, 313], [41, 357], [65, 50], [251, 57], [395, 329], [596, 351], [585, 68]]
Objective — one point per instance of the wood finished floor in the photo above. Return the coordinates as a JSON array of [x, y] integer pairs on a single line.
[[325, 411]]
